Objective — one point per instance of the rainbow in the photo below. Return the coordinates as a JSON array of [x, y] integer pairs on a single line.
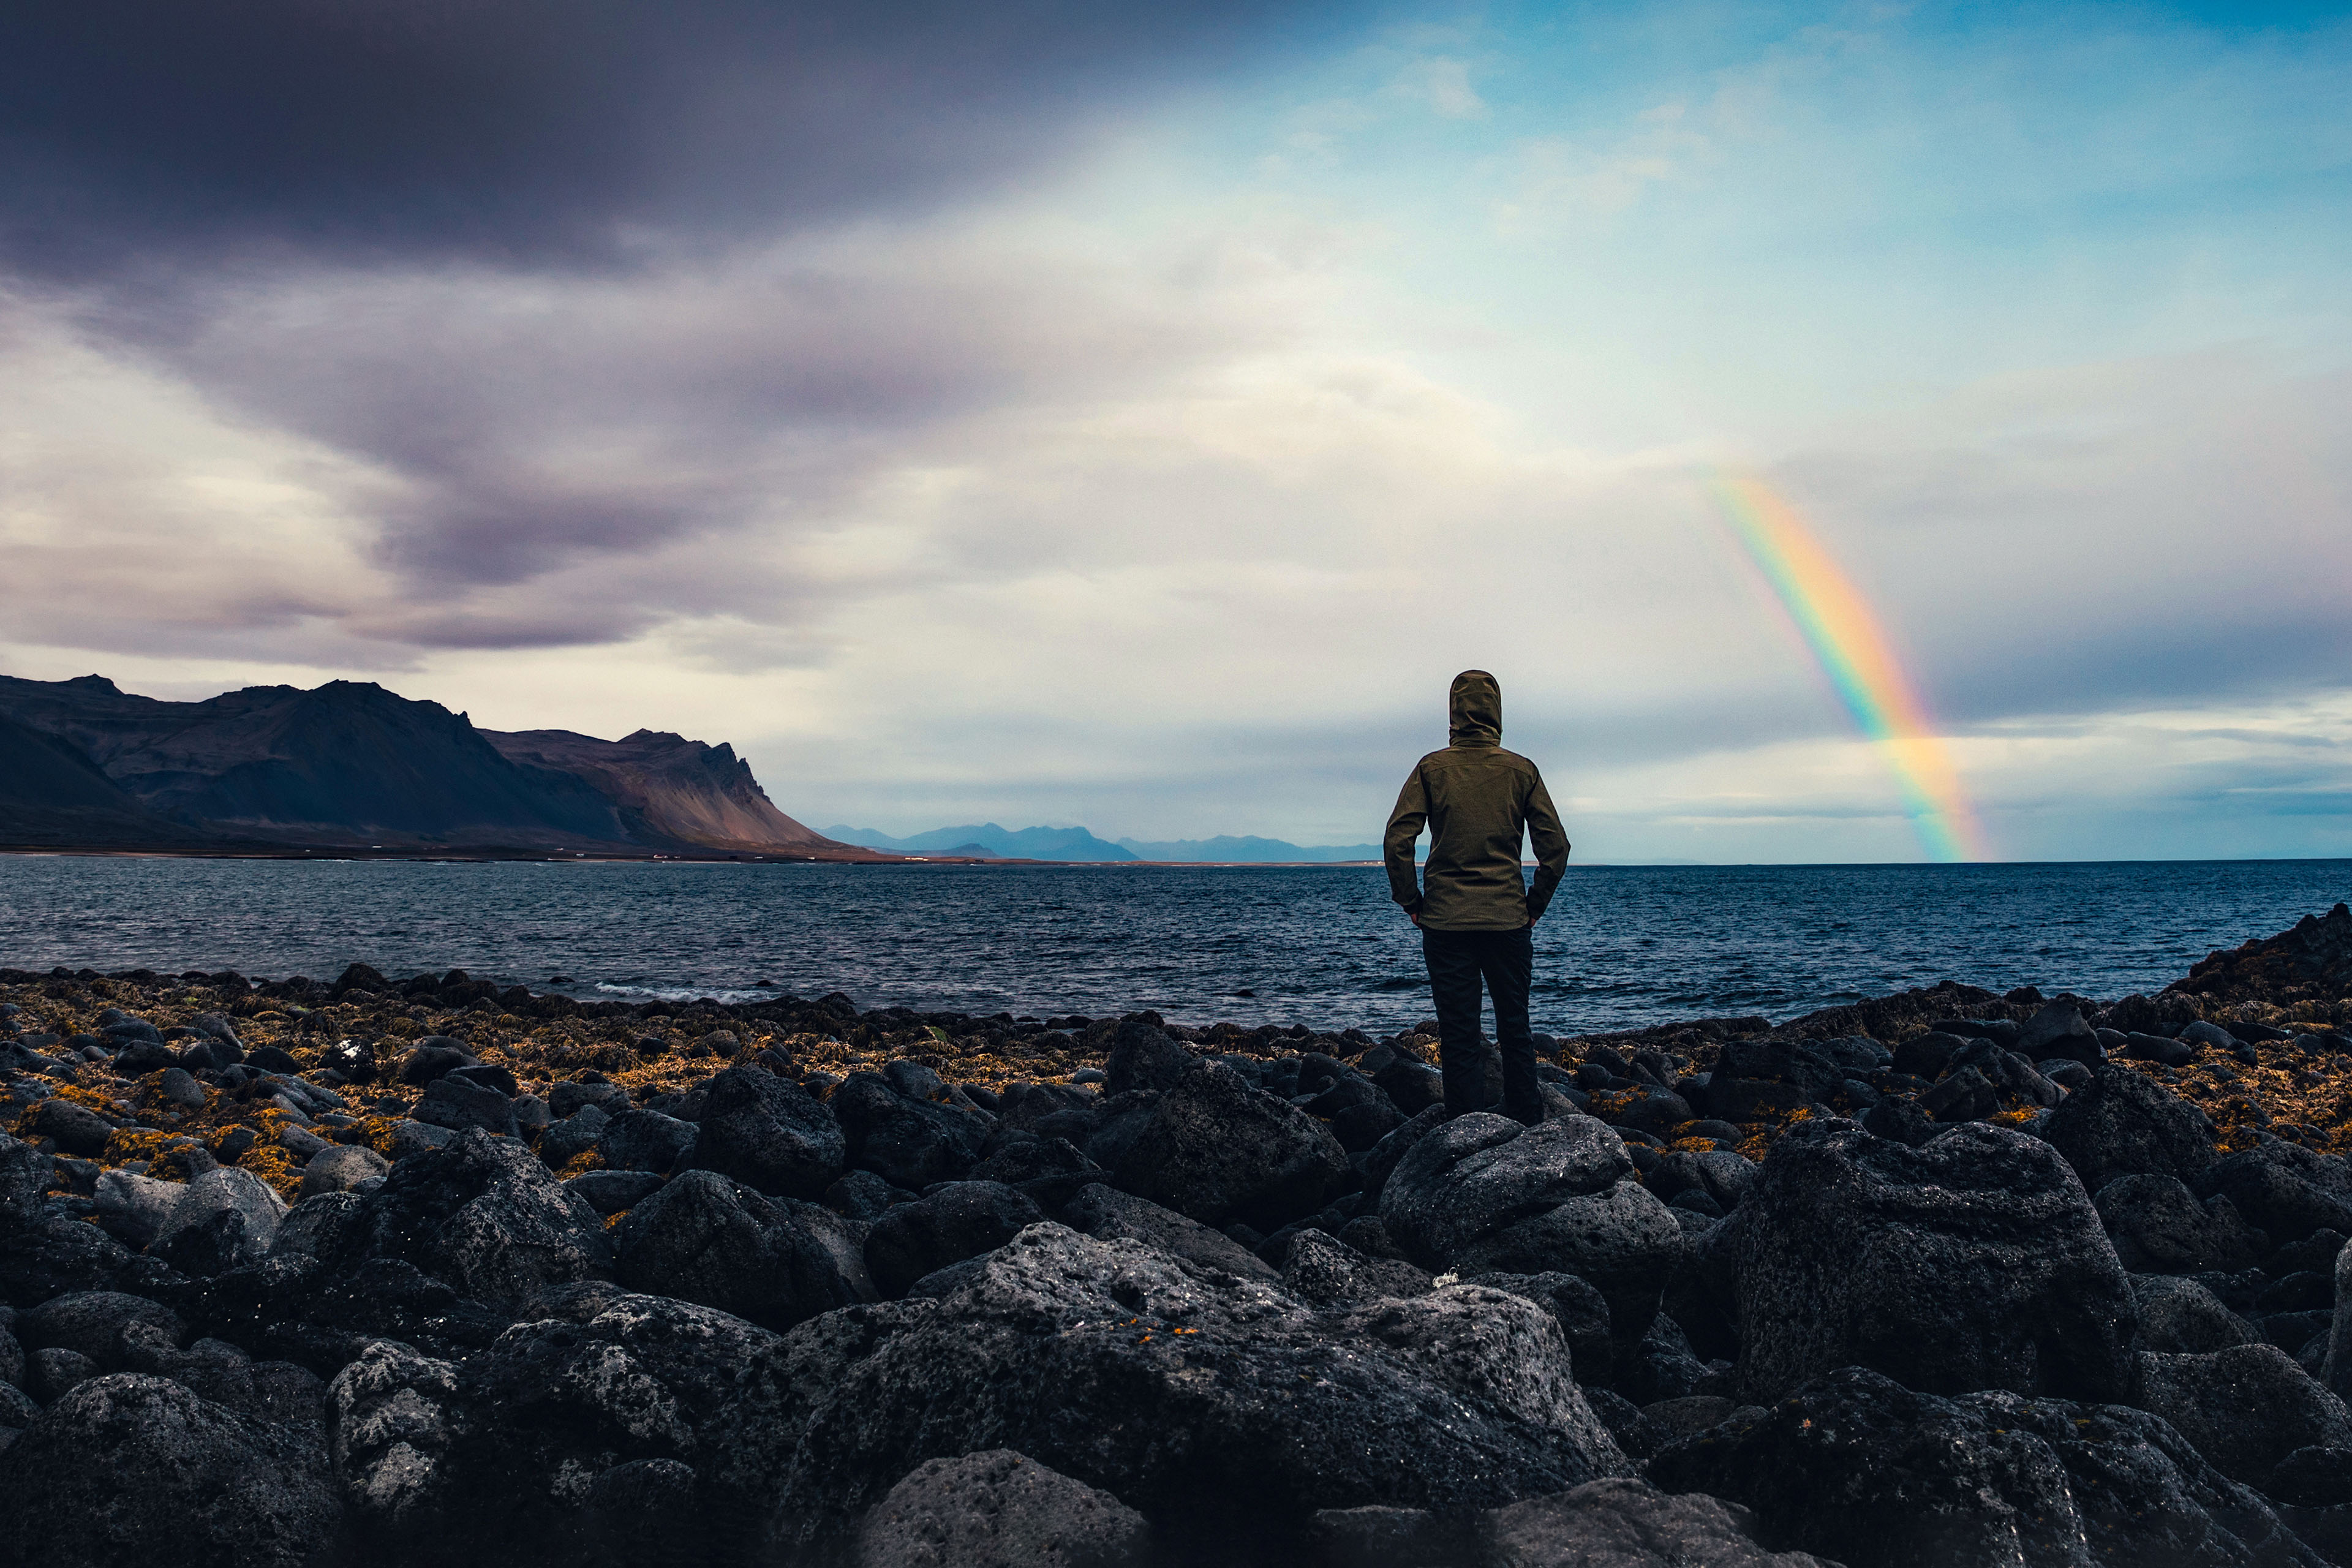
[[1853, 652]]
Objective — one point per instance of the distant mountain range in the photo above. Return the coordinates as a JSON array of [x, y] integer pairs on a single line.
[[987, 840], [348, 764]]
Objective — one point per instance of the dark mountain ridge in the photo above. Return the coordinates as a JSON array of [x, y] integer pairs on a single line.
[[88, 763]]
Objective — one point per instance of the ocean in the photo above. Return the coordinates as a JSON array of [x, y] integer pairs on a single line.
[[1622, 946]]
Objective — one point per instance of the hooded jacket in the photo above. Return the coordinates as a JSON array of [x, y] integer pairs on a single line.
[[1477, 799]]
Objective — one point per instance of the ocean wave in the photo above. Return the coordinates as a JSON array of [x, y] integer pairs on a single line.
[[731, 996]]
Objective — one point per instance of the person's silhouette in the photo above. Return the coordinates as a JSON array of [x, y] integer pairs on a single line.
[[1473, 912]]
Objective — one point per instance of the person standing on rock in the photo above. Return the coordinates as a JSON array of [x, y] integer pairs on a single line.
[[1476, 916]]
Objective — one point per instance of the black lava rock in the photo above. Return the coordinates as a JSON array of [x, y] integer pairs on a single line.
[[1972, 1262], [953, 1222]]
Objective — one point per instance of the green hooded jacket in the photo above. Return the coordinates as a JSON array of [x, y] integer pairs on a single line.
[[1478, 799]]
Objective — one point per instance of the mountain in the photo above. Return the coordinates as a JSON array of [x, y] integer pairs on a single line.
[[1027, 844], [670, 789], [1247, 850], [350, 762], [50, 795]]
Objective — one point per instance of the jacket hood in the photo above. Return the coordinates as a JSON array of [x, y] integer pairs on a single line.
[[1474, 710]]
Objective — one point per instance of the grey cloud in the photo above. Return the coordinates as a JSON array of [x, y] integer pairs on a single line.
[[135, 133]]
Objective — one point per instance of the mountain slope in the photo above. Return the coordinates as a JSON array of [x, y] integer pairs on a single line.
[[346, 758], [671, 789], [1025, 844], [50, 794]]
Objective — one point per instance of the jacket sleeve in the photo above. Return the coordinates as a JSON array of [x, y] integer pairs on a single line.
[[1550, 846], [1396, 846]]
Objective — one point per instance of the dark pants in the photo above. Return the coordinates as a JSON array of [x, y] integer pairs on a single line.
[[1505, 961]]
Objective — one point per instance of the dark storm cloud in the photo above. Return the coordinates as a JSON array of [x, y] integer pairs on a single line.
[[137, 130]]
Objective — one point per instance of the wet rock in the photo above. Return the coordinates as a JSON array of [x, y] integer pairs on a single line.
[[909, 1142], [2245, 1408], [135, 1468], [115, 1332], [565, 1099], [2336, 1372], [1143, 1057], [1462, 1397], [863, 1195], [225, 1218], [1973, 1262], [1723, 1177], [559, 1404], [1964, 1094], [2182, 1317], [1390, 1151], [1483, 1195], [1576, 1305], [133, 1208], [340, 1167], [958, 1220], [707, 1240], [1109, 1215], [50, 1372], [76, 1129], [2283, 1189], [1321, 1268], [1217, 1151], [998, 1509], [2059, 1030], [1900, 1122], [24, 1176], [2313, 1477], [434, 1056], [565, 1141], [485, 1215], [613, 1191], [2159, 1226], [647, 1140], [392, 1417], [2124, 1125], [454, 1102], [1623, 1523], [1374, 1536], [1856, 1468], [769, 1132]]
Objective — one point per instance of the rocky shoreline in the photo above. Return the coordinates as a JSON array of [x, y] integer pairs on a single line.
[[433, 1270]]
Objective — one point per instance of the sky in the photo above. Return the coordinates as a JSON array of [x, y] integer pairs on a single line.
[[1134, 417]]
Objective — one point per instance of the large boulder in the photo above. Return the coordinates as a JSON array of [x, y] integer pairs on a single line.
[[1216, 1150], [955, 1221], [1143, 1057], [224, 1219], [118, 1332], [2159, 1226], [133, 1208], [485, 1215], [1620, 1523], [2336, 1370], [1109, 1215], [564, 1432], [1485, 1195], [1972, 1262], [23, 1178], [2124, 1123], [1172, 1385], [1857, 1467], [56, 1256], [908, 1141], [2182, 1317], [998, 1509], [646, 1140], [133, 1468], [2283, 1189], [769, 1132], [2245, 1408], [705, 1238]]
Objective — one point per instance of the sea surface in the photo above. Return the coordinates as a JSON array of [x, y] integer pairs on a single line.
[[1622, 947]]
